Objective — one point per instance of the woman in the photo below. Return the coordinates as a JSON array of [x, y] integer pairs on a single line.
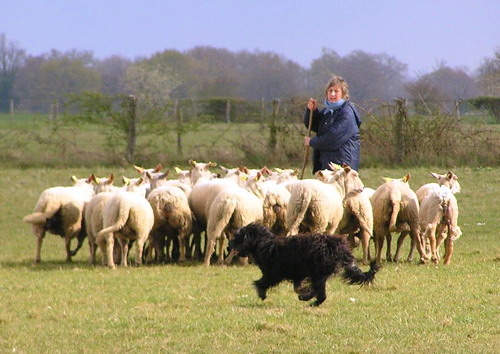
[[337, 128]]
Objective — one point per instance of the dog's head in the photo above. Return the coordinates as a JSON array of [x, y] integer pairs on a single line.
[[248, 237]]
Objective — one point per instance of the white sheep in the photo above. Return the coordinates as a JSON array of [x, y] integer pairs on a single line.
[[275, 205], [60, 210], [449, 179], [172, 217], [232, 208], [357, 219], [159, 179], [201, 197], [104, 184], [126, 216], [94, 212], [316, 206], [395, 208], [200, 171], [438, 216]]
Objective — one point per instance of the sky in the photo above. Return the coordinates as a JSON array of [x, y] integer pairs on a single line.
[[421, 33]]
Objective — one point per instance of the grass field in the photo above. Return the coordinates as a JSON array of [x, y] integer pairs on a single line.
[[75, 308]]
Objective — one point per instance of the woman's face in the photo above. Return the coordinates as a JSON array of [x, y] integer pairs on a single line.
[[334, 93]]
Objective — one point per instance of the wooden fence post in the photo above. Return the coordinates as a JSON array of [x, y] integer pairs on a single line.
[[399, 129], [262, 110], [228, 111], [273, 128], [132, 128], [11, 110], [178, 116]]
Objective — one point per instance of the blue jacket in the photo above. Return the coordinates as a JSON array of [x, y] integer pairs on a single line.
[[337, 138]]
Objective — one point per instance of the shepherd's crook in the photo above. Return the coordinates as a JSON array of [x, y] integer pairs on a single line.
[[306, 154]]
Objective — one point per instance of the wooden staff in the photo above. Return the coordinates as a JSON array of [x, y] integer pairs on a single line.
[[306, 153]]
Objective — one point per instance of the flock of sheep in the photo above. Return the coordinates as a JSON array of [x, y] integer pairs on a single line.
[[166, 218]]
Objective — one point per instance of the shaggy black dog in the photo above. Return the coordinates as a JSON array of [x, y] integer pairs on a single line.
[[297, 258]]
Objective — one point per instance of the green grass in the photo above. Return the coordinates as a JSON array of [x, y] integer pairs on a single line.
[[66, 308]]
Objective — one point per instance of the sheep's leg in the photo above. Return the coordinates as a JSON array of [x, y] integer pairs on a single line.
[[209, 251], [158, 242], [93, 249], [415, 234], [80, 238], [67, 244], [365, 242], [388, 254], [379, 244], [124, 247], [220, 256], [110, 244], [182, 247], [441, 233], [448, 250], [40, 235], [431, 236], [138, 249], [401, 239]]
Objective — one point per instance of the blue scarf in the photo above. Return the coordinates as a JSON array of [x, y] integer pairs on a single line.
[[333, 106]]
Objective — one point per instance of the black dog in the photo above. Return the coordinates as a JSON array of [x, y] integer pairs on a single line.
[[296, 258]]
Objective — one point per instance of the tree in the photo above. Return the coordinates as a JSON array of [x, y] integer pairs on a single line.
[[11, 59], [268, 75], [55, 75], [112, 71], [489, 75], [455, 83]]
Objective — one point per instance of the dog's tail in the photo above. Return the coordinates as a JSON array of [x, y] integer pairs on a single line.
[[354, 275]]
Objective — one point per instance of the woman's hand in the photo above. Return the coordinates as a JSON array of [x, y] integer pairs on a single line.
[[311, 105], [307, 139]]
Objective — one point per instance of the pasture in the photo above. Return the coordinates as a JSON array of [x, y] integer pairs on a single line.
[[186, 308]]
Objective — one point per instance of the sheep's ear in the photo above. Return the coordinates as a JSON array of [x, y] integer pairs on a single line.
[[138, 169], [212, 164], [74, 179], [125, 180], [140, 181], [225, 169], [279, 170], [164, 176], [346, 168], [435, 175], [259, 175], [192, 163], [158, 167], [295, 172], [95, 179], [243, 176], [334, 166], [449, 175], [148, 175], [406, 178], [244, 169], [387, 179], [111, 179], [177, 170], [320, 173]]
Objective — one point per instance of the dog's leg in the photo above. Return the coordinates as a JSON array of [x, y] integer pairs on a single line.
[[319, 287], [265, 283], [305, 293]]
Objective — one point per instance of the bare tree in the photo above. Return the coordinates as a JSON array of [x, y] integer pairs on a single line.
[[11, 59]]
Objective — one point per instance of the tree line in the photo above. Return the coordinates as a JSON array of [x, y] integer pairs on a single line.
[[30, 81]]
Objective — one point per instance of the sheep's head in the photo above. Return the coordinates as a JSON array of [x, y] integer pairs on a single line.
[[449, 179]]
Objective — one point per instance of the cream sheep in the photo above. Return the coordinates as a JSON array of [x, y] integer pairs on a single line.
[[60, 210], [160, 179], [172, 217], [201, 197], [232, 208], [317, 206], [95, 210], [438, 216], [126, 216], [395, 208], [357, 219], [275, 204], [200, 171], [449, 180], [104, 184]]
